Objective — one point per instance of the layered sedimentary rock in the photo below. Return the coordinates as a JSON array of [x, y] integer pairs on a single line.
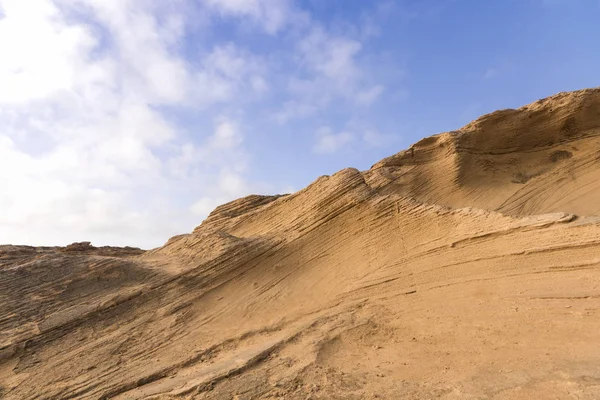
[[467, 266]]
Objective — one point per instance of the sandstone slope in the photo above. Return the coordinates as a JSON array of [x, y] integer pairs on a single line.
[[467, 266]]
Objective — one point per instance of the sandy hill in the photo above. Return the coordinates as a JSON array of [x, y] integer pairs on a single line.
[[466, 267]]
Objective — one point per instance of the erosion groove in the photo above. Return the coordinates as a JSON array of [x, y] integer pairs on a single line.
[[466, 267]]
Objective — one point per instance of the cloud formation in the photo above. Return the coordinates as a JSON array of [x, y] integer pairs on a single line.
[[329, 142], [117, 128]]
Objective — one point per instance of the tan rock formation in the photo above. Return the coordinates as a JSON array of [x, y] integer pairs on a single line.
[[466, 267]]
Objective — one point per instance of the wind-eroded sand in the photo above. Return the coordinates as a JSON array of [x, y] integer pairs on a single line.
[[466, 267]]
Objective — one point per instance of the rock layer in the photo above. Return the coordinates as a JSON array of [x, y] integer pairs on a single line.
[[464, 267]]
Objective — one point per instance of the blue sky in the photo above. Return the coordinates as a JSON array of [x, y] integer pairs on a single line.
[[127, 121]]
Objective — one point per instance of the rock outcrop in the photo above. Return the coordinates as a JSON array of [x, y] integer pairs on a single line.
[[464, 267]]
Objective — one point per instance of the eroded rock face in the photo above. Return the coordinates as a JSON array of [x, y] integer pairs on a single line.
[[80, 246], [519, 162], [464, 267]]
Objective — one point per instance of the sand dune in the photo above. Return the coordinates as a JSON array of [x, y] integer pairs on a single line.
[[466, 267]]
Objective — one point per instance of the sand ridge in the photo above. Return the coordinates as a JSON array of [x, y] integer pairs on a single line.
[[466, 267]]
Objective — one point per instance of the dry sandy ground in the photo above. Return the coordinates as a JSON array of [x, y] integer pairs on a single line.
[[466, 267]]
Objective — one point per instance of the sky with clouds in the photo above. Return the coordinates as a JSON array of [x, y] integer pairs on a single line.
[[125, 122]]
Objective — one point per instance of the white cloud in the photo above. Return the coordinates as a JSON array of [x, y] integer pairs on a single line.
[[293, 109], [47, 58], [368, 96], [329, 142], [223, 74], [226, 136], [84, 150], [374, 138], [331, 56], [230, 185], [206, 204], [328, 68], [270, 15], [92, 98], [218, 164]]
